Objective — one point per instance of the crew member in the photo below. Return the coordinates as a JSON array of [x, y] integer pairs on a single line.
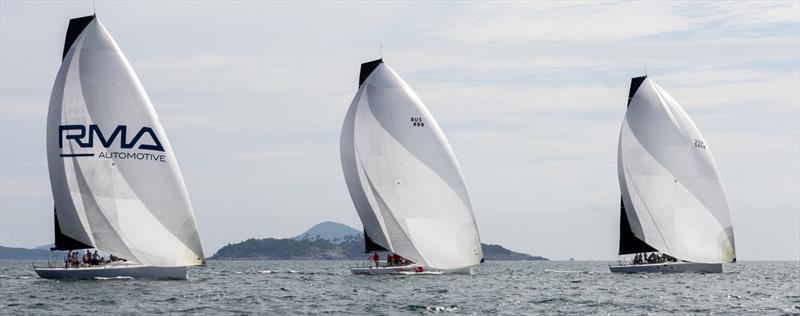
[[376, 258]]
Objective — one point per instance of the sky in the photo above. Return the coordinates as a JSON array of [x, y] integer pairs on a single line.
[[530, 95]]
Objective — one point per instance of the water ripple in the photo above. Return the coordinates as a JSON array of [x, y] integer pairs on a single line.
[[327, 287]]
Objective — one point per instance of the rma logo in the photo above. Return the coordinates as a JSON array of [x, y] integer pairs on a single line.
[[84, 136]]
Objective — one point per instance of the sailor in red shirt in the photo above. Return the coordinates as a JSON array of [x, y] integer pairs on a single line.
[[375, 258], [396, 259]]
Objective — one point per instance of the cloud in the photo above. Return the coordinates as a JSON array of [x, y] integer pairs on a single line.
[[576, 21], [605, 21], [751, 13]]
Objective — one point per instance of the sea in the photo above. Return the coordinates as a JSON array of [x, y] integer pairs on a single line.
[[327, 287]]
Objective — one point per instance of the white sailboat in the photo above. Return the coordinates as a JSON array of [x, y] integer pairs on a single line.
[[115, 180], [673, 200], [405, 182]]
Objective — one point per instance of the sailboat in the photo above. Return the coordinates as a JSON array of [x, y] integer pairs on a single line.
[[404, 180], [116, 183], [673, 200]]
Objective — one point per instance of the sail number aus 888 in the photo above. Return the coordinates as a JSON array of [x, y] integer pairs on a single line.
[[416, 121], [699, 144]]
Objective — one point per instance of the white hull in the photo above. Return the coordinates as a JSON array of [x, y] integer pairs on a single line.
[[668, 267], [135, 271], [410, 269]]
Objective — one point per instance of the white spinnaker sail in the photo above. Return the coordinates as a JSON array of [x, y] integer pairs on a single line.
[[122, 195], [403, 177], [669, 179]]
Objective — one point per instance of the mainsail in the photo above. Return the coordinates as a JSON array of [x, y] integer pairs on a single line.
[[673, 199], [115, 180], [403, 176]]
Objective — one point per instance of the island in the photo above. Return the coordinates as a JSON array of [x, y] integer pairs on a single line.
[[39, 253], [329, 241]]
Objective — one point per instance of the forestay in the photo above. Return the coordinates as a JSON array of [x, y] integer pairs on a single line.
[[115, 180], [403, 176], [671, 189]]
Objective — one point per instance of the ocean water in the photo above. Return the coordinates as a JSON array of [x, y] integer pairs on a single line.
[[314, 287]]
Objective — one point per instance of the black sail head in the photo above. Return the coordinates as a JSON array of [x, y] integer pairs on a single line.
[[635, 83], [367, 69], [76, 26]]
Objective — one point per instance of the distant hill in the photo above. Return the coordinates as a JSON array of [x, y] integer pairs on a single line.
[[330, 231], [343, 246], [352, 248], [12, 253], [497, 252]]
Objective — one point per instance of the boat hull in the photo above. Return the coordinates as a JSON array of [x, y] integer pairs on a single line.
[[112, 271], [668, 267], [405, 270]]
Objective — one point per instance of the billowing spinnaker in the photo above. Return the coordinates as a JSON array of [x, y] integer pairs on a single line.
[[403, 177], [669, 180], [115, 180]]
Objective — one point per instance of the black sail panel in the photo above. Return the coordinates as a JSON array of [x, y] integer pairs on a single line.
[[628, 242], [366, 70], [370, 246], [75, 28], [64, 242], [635, 83]]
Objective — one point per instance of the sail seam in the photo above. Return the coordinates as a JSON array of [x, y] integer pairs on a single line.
[[644, 202], [360, 167], [79, 171], [397, 222], [74, 55], [377, 195], [371, 184]]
